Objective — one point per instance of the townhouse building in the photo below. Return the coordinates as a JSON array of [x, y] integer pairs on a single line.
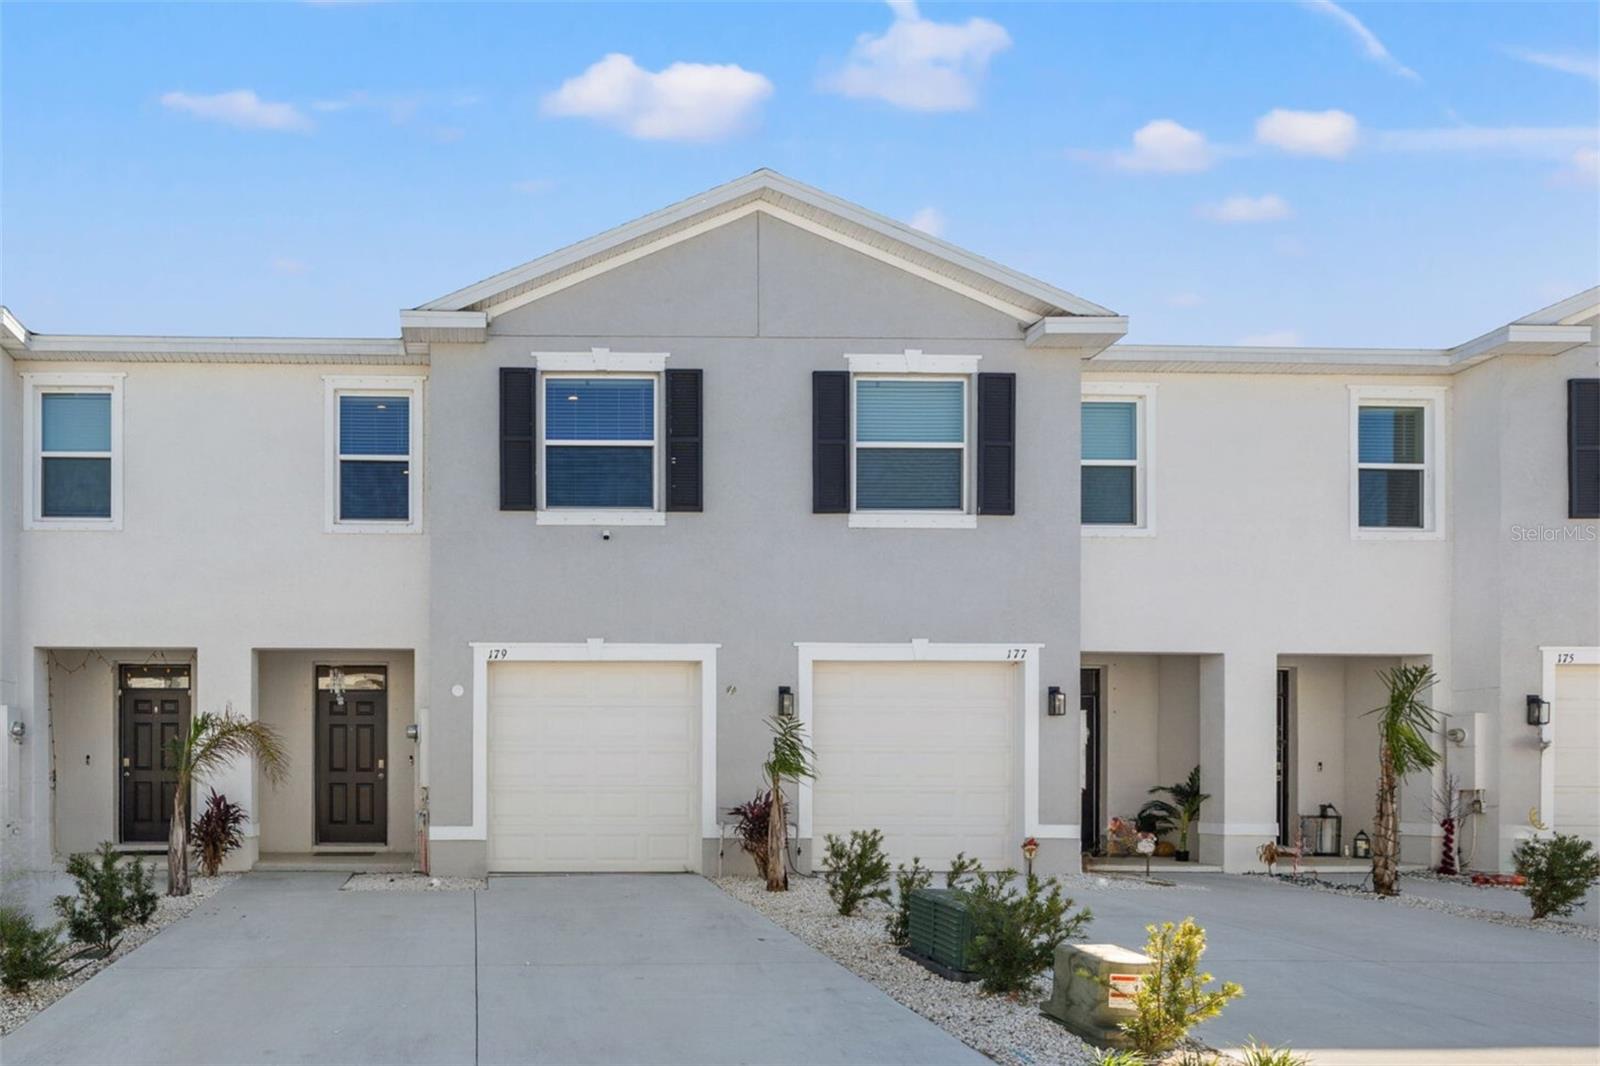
[[521, 586]]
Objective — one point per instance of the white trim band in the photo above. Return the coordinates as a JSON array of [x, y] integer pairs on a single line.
[[601, 361]]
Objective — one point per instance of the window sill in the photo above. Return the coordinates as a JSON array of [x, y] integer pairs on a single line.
[[373, 527], [1117, 531], [912, 520], [1397, 534], [599, 517], [82, 525]]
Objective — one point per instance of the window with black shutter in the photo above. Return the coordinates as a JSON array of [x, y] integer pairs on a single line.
[[997, 444], [830, 442], [518, 405], [1583, 448], [685, 440]]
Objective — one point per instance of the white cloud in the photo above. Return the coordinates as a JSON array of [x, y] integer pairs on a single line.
[[1330, 134], [1278, 338], [289, 267], [1268, 208], [919, 64], [1584, 66], [1582, 169], [683, 102], [1370, 45], [1164, 146], [240, 107], [1185, 300], [929, 220], [534, 186]]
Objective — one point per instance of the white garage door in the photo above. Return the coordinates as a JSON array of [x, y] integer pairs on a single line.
[[594, 766], [1575, 716], [922, 751]]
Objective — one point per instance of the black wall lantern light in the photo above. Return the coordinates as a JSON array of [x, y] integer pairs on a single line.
[[785, 701], [1056, 705], [1538, 709]]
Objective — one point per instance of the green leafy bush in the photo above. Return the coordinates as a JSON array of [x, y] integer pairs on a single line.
[[110, 898], [961, 867], [28, 952], [855, 870], [907, 879], [1173, 998], [1119, 1057], [1016, 930], [1560, 870]]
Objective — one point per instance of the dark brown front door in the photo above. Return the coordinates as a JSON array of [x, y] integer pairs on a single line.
[[1089, 701], [153, 711], [352, 755]]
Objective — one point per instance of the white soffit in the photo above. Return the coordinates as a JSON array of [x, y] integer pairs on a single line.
[[1024, 297]]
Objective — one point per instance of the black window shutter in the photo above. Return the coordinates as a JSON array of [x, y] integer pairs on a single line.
[[997, 444], [517, 415], [685, 440], [1583, 448], [830, 441]]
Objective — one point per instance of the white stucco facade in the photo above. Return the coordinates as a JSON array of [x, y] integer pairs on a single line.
[[1247, 560]]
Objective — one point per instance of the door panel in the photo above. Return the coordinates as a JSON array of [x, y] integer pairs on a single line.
[[352, 757], [1089, 703], [151, 716]]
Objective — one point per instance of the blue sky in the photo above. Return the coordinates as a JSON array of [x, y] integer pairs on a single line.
[[1383, 174]]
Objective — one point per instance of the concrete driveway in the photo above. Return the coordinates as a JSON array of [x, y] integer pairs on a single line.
[[285, 968], [1357, 980]]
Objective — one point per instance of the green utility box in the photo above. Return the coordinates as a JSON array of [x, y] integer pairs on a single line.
[[941, 931]]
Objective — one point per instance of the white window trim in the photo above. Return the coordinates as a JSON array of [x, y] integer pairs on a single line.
[[1024, 656], [653, 515], [912, 363], [1431, 398], [600, 361], [34, 387], [336, 385], [1144, 486], [595, 649]]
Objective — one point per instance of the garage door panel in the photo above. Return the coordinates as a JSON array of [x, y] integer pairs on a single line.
[[1575, 715], [594, 766], [922, 751]]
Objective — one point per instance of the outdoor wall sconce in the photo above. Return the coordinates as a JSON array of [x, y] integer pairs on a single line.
[[1056, 704], [785, 701], [18, 730], [1538, 709], [413, 732]]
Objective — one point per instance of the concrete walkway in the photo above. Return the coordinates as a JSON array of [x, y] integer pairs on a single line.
[[285, 968], [1355, 980]]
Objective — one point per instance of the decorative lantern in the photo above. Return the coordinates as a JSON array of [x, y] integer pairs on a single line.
[[1322, 831], [1056, 703], [1538, 709], [1361, 845], [785, 701]]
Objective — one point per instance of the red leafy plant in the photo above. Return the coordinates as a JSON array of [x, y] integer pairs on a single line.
[[216, 832]]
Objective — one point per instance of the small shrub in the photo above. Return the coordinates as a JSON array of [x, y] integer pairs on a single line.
[[216, 832], [1016, 930], [1119, 1057], [960, 867], [906, 881], [856, 870], [1258, 1054], [752, 829], [1172, 998], [28, 953], [1559, 869], [110, 898]]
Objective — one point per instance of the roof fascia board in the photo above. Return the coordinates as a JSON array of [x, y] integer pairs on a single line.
[[757, 183], [13, 334], [1572, 310], [1088, 335], [213, 349]]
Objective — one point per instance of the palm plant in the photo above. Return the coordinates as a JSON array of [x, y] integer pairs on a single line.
[[213, 741], [1404, 724], [791, 758], [1182, 811]]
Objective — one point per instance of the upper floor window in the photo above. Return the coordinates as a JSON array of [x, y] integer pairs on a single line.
[[1397, 478], [74, 469], [374, 482], [910, 444], [600, 441], [1115, 478]]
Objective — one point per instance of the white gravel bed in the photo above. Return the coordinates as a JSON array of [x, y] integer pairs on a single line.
[[18, 1007], [411, 883], [1008, 1031], [1480, 914]]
